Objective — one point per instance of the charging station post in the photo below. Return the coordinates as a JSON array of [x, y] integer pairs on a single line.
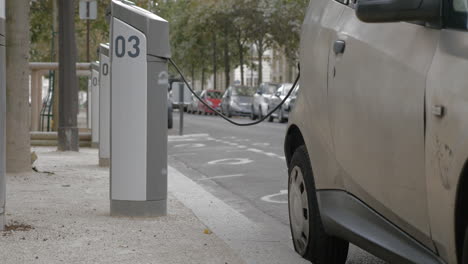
[[2, 115], [94, 104], [139, 80], [104, 106]]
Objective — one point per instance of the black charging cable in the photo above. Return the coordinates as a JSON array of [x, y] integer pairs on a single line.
[[225, 117]]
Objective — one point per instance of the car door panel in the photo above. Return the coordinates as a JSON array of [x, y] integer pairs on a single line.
[[447, 143], [319, 27], [376, 100]]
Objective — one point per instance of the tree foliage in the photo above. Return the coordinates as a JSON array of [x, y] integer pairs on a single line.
[[207, 36]]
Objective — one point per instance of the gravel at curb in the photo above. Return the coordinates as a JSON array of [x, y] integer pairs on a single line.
[[62, 216]]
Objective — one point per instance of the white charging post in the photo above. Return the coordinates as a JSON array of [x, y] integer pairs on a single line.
[[2, 115], [94, 104], [139, 81], [104, 106]]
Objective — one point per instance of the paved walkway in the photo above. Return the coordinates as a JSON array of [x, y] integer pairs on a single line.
[[62, 216]]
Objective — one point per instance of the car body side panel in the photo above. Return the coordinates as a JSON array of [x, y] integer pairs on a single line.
[[310, 113], [376, 93], [447, 139]]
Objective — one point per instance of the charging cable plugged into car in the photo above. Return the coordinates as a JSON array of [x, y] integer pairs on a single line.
[[207, 104]]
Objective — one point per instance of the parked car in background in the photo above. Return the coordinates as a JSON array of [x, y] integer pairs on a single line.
[[212, 98], [261, 99], [193, 106], [237, 101], [282, 114]]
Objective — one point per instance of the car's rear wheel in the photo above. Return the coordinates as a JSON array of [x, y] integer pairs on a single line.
[[465, 249], [309, 237], [260, 113]]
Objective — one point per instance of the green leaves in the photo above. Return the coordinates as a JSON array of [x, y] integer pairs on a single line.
[[206, 35]]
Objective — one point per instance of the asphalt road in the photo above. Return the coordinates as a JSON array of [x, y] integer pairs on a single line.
[[245, 168]]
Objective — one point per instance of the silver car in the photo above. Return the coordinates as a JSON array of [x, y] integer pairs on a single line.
[[237, 101], [377, 144], [261, 99], [193, 106], [282, 114]]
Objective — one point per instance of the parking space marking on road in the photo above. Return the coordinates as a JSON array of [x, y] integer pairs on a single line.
[[273, 198], [222, 177], [233, 161], [182, 140], [190, 136], [269, 154], [194, 145]]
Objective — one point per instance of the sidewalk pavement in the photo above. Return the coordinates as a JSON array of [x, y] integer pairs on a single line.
[[61, 215]]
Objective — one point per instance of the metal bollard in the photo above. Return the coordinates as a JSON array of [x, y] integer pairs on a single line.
[[104, 106], [95, 104], [139, 80]]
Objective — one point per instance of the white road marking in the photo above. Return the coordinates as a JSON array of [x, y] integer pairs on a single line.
[[255, 150], [234, 161], [273, 197], [183, 139], [188, 138], [222, 177], [195, 145], [269, 154]]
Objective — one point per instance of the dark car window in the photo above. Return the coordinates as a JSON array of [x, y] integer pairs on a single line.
[[456, 14], [243, 91], [215, 95]]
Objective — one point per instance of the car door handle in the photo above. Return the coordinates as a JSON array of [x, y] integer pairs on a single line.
[[339, 47]]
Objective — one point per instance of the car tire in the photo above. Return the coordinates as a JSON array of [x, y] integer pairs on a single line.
[[229, 114], [281, 118], [260, 113], [308, 233], [465, 249], [252, 114]]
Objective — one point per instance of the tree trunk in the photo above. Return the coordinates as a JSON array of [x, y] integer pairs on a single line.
[[252, 66], [227, 57], [215, 65], [240, 46], [56, 92], [17, 76], [68, 102], [241, 61], [260, 62], [203, 79], [193, 76]]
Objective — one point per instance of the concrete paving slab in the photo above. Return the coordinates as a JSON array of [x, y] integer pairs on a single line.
[[62, 216]]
